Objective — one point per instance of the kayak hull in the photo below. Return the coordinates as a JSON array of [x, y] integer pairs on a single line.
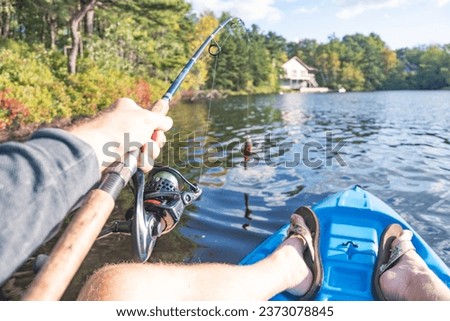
[[351, 224]]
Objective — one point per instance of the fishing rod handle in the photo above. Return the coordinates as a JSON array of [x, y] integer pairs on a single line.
[[161, 106]]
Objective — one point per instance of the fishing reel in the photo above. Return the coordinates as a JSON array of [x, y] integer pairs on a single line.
[[158, 207]]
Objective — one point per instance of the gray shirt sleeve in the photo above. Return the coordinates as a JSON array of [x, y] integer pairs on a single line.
[[40, 181]]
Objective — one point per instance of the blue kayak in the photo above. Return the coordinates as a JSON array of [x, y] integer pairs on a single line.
[[351, 224]]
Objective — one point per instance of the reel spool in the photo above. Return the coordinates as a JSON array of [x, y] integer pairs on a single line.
[[158, 207]]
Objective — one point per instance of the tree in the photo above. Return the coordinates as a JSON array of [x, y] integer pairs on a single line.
[[352, 77], [168, 28], [39, 21], [7, 9], [198, 76], [369, 54], [259, 58], [277, 47], [232, 65], [422, 68], [328, 60], [434, 68], [306, 50], [75, 20]]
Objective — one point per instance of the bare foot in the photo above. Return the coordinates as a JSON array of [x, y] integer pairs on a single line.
[[411, 279], [298, 276]]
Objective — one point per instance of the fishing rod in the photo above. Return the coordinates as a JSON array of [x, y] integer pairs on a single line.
[[159, 204], [214, 50], [87, 224]]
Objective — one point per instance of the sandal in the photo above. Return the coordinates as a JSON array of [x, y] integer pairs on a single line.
[[387, 257], [309, 233]]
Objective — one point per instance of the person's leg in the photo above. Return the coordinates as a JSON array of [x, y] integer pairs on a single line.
[[284, 269], [411, 279]]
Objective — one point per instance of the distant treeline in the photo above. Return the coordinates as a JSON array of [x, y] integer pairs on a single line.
[[358, 62], [64, 59]]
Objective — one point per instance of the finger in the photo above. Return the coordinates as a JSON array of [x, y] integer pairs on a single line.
[[144, 164], [159, 137], [149, 152], [159, 121], [153, 150]]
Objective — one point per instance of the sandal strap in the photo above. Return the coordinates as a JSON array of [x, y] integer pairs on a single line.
[[396, 253], [302, 231]]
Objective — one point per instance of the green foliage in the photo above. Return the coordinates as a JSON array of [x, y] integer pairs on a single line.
[[352, 77], [27, 79], [421, 68], [305, 49], [136, 48], [32, 92], [156, 33], [92, 90], [12, 112], [249, 61], [231, 69], [356, 62], [359, 62], [198, 76], [434, 66]]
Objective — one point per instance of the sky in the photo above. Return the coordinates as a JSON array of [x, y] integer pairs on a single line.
[[400, 23]]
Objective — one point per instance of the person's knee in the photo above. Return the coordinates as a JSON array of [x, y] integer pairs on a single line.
[[107, 283]]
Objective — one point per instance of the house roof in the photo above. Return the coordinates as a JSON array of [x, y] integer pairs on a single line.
[[297, 59]]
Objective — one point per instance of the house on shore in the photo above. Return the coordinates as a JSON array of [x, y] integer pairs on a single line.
[[300, 76]]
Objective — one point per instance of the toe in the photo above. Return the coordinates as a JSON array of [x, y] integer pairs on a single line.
[[406, 235], [297, 219]]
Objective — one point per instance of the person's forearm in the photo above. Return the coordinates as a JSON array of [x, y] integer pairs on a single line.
[[40, 181]]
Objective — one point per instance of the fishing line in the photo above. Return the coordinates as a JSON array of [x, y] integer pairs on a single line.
[[208, 117], [214, 50]]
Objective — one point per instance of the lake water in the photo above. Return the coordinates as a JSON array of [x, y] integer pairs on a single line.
[[395, 144], [306, 146]]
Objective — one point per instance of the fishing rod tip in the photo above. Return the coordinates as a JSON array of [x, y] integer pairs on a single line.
[[240, 21]]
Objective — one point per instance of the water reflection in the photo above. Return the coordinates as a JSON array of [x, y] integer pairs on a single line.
[[247, 212]]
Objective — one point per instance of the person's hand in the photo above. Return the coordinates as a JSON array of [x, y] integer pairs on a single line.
[[125, 128]]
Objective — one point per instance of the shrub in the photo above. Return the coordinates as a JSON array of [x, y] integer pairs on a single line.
[[36, 88], [12, 112], [141, 93], [32, 83], [92, 90]]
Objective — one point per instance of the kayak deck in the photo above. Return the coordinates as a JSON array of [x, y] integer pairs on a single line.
[[351, 224]]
